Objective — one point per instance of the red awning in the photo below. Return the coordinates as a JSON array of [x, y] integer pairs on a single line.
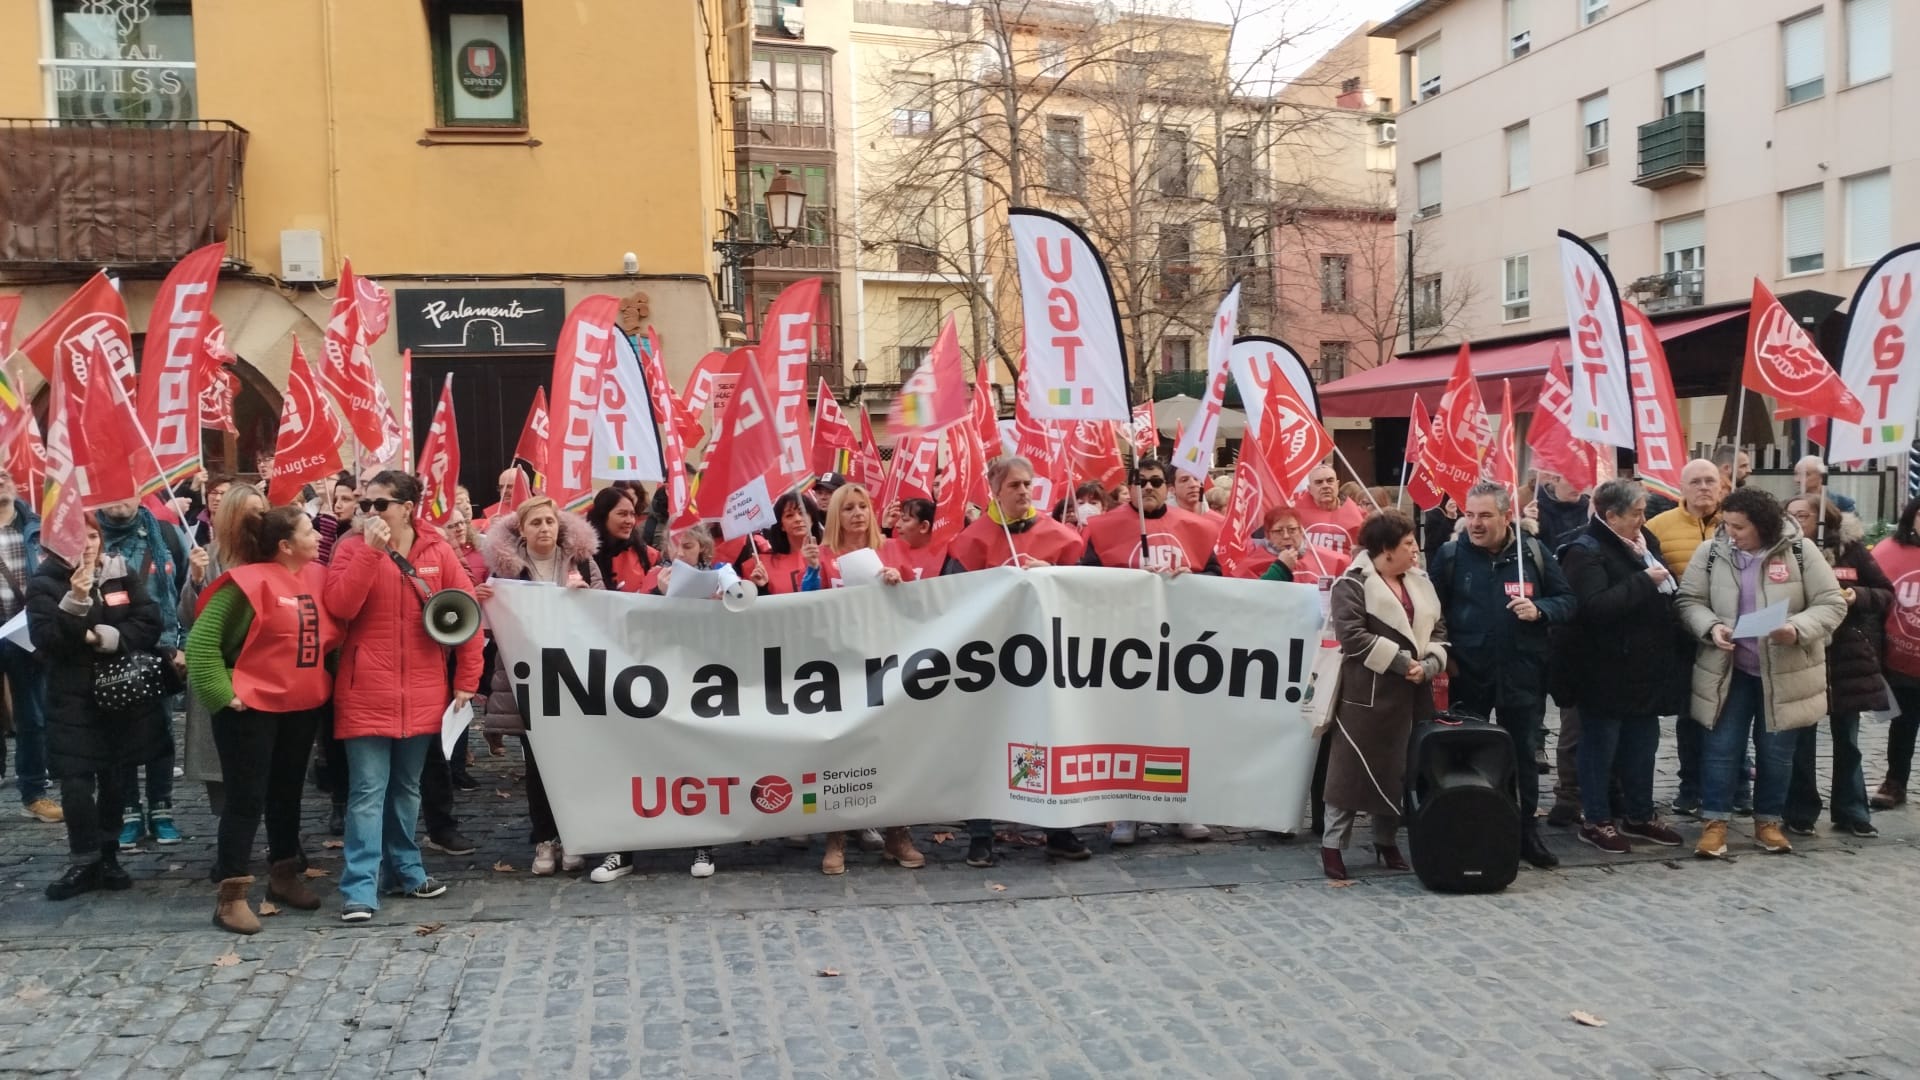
[[1389, 390]]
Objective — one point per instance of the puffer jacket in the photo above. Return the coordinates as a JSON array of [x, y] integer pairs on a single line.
[[1853, 659], [1618, 655], [506, 555], [83, 738], [1793, 678], [1500, 661], [1680, 534], [392, 680]]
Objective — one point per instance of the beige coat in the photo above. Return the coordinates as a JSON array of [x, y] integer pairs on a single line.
[[1793, 678], [1377, 706]]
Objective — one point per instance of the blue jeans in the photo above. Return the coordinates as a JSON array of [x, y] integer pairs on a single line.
[[1724, 747], [29, 720], [383, 802], [1849, 791], [1689, 736], [1616, 746]]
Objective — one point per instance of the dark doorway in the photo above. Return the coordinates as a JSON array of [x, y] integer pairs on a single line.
[[491, 396]]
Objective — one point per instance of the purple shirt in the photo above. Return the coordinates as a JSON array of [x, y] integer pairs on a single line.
[[1746, 651]]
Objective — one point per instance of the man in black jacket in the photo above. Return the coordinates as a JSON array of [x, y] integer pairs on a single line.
[[1499, 591]]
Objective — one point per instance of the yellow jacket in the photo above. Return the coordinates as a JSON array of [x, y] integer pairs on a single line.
[[1680, 533]]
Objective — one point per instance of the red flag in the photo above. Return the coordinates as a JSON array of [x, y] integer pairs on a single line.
[[439, 460], [834, 443], [950, 502], [734, 485], [935, 395], [215, 381], [9, 314], [584, 357], [1551, 435], [786, 345], [532, 447], [1659, 452], [1503, 467], [95, 310], [914, 459], [985, 444], [27, 461], [1144, 435], [1095, 451], [870, 469], [1784, 363], [63, 528], [347, 373], [1042, 444], [667, 415], [376, 307], [308, 446], [105, 439], [1255, 491], [406, 410], [169, 398], [1420, 486], [1458, 444], [701, 382], [1293, 438]]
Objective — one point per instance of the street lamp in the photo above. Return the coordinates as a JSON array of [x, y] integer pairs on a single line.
[[786, 207]]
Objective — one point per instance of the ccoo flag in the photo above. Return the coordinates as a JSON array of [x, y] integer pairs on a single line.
[[1075, 363], [1602, 398], [579, 367], [170, 370]]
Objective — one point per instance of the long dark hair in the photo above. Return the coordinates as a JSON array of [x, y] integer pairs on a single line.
[[603, 505], [776, 533]]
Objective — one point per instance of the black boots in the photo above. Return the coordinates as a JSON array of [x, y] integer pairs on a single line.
[[1534, 849]]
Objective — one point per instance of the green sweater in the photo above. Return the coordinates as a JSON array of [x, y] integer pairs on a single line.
[[213, 645]]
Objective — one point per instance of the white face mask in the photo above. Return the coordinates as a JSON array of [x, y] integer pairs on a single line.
[[1089, 511]]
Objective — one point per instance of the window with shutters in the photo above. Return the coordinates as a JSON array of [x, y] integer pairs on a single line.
[[1334, 274], [1333, 362], [1516, 283], [1519, 157], [916, 248], [1683, 244], [1592, 11], [1519, 29], [1803, 230], [1172, 171], [1176, 354], [1869, 200], [1426, 183], [1869, 40], [1063, 154], [1593, 131], [1803, 53], [1683, 87], [1176, 261], [1426, 70], [919, 321]]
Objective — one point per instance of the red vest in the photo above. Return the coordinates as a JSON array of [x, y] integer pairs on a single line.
[[1337, 529], [282, 664], [630, 576], [1176, 539], [914, 563], [1902, 564], [984, 544], [783, 571]]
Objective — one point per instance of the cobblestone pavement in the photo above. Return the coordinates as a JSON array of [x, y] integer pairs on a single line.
[[1229, 958]]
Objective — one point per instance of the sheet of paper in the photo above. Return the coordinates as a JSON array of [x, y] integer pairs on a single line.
[[15, 630], [454, 724], [1761, 623], [693, 583], [860, 567]]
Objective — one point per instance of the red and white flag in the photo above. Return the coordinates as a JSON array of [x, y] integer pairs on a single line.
[[1194, 453], [308, 446], [9, 315], [734, 486], [406, 410], [532, 447], [950, 497], [347, 373], [934, 396], [1041, 443], [1784, 364], [1550, 437], [1884, 321], [579, 368], [1255, 491], [834, 443], [376, 307], [106, 438], [1602, 400], [1461, 431], [1142, 433], [1421, 489], [673, 446], [985, 444], [1660, 451], [915, 458], [869, 469], [169, 397], [63, 528], [440, 460], [1256, 361], [1503, 465], [698, 393], [94, 311], [27, 462], [217, 384], [1095, 451], [1075, 360], [786, 344], [1293, 438]]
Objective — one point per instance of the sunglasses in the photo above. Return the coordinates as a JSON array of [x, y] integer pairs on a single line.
[[1154, 482], [377, 506]]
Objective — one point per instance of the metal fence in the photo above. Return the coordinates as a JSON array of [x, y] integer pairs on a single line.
[[1875, 487]]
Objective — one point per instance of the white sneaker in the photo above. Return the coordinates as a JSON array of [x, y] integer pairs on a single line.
[[546, 856], [570, 862], [702, 863], [1195, 832], [1124, 832], [871, 840], [613, 868], [799, 843]]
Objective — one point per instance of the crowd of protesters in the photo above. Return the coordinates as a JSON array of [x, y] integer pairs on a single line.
[[291, 640]]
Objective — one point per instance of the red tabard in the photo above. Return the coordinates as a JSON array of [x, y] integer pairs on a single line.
[[1177, 539], [281, 667], [983, 544], [914, 563], [783, 571], [630, 576], [1902, 564], [1337, 529]]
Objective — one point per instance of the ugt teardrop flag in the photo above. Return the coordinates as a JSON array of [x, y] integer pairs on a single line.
[[1885, 323], [1074, 358], [1193, 453], [1602, 399], [1255, 361], [626, 442]]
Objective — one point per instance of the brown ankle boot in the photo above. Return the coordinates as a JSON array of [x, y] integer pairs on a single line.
[[231, 911], [835, 861], [901, 850], [287, 884]]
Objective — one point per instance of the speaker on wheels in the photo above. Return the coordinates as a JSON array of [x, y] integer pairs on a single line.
[[1463, 806]]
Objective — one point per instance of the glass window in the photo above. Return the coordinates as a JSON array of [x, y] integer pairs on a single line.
[[1683, 87], [479, 60], [798, 82], [1063, 154], [1516, 288], [1803, 230], [1519, 157], [1592, 11], [1176, 260], [913, 108], [1335, 272], [1333, 362], [1427, 294], [123, 61], [1171, 168], [1600, 246], [1519, 28], [1869, 217], [1594, 130], [1426, 176], [1051, 59], [1683, 244], [919, 323], [1803, 52], [818, 221], [1869, 40], [1176, 354], [1426, 69]]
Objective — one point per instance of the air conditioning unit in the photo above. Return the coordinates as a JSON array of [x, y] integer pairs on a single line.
[[1429, 88], [1520, 44], [300, 255], [1386, 134]]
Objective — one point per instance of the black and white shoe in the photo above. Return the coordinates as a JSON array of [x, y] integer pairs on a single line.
[[613, 868], [426, 890], [702, 864]]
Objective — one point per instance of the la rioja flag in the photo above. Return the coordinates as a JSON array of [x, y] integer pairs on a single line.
[[1075, 364], [308, 446], [440, 460]]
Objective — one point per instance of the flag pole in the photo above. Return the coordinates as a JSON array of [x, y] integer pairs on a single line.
[[1341, 454]]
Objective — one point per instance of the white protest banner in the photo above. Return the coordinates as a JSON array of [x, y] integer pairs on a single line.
[[1602, 400], [1056, 697], [1074, 357], [1193, 453], [1884, 322]]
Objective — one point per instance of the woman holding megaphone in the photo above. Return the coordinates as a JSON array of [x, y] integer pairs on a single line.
[[392, 686], [257, 661]]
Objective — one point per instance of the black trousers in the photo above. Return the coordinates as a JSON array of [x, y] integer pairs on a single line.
[[436, 790], [263, 761], [92, 803], [539, 809]]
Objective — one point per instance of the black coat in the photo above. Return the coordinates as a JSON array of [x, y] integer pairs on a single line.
[[1500, 661], [82, 738], [1625, 653], [1853, 656]]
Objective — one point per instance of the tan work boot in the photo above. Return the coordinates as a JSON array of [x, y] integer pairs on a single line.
[[287, 884], [1771, 838], [1713, 840], [835, 861], [901, 850], [231, 911], [44, 809]]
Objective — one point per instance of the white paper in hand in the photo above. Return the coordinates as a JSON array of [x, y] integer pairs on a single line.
[[693, 583], [15, 630], [860, 567], [1761, 623], [454, 724]]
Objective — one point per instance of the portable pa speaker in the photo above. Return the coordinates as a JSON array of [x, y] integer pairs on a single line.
[[1463, 809], [451, 617]]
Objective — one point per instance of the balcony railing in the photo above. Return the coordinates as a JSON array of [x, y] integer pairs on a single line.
[[755, 124], [1669, 292], [1673, 149], [126, 193]]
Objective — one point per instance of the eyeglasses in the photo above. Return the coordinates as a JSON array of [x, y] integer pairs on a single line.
[[377, 506], [1153, 481]]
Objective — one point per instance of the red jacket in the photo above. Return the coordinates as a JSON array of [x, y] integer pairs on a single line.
[[392, 680]]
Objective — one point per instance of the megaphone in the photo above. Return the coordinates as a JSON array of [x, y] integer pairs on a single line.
[[451, 617]]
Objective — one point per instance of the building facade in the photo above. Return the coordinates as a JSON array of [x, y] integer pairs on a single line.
[[488, 161]]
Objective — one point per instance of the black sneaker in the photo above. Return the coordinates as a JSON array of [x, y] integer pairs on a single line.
[[1063, 844], [426, 890], [450, 842], [356, 913], [113, 876], [1801, 828], [980, 852], [1685, 807], [1743, 810], [79, 878], [464, 780], [1865, 830], [1563, 815]]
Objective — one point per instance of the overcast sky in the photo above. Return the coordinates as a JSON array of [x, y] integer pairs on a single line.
[[1317, 25]]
